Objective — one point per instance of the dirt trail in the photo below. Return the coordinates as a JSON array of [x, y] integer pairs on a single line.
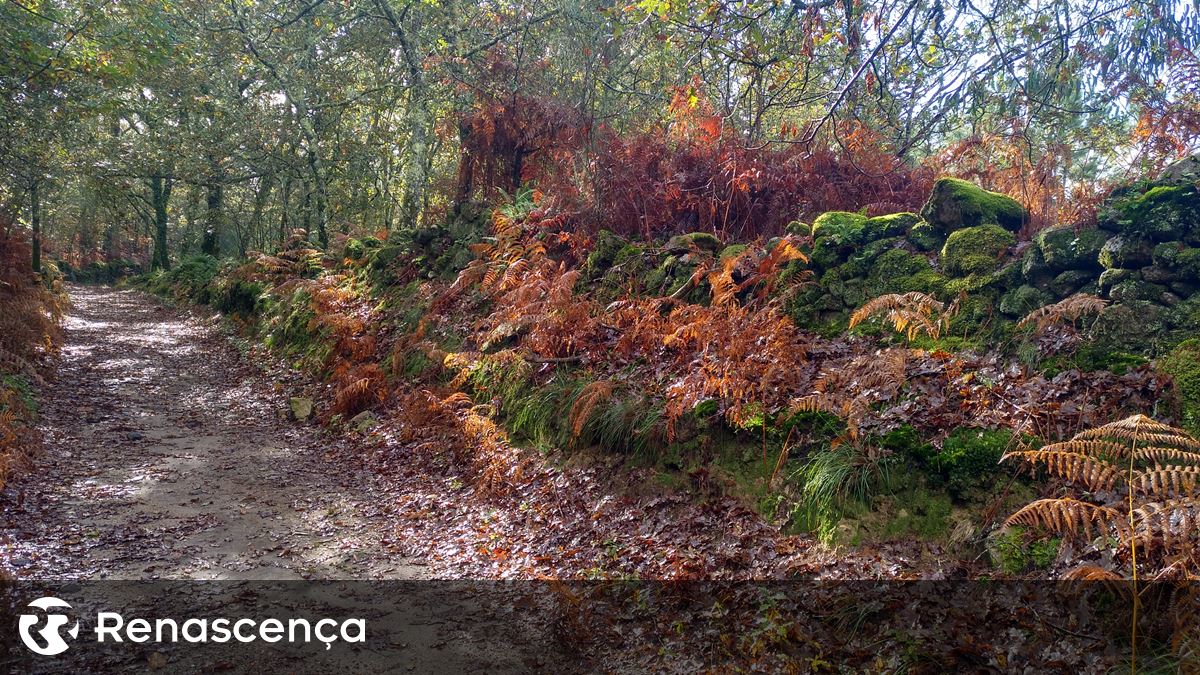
[[168, 456]]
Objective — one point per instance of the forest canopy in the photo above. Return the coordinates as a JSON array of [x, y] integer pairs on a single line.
[[146, 131]]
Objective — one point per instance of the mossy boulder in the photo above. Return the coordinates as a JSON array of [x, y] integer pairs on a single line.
[[1146, 327], [1167, 253], [1157, 213], [604, 253], [891, 225], [354, 249], [1070, 282], [1136, 289], [1126, 252], [1022, 300], [975, 250], [1182, 365], [1182, 172], [732, 251], [955, 204], [385, 255], [847, 227], [1034, 269], [925, 237], [1187, 264], [1065, 249], [1110, 278], [1157, 274], [682, 243]]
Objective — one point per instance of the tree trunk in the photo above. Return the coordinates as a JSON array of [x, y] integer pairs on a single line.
[[286, 189], [160, 195], [266, 184], [35, 221], [213, 231]]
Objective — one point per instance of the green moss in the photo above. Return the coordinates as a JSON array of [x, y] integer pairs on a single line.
[[975, 250], [1070, 281], [732, 251], [843, 227], [1157, 212], [1136, 289], [955, 204], [604, 253], [891, 225], [1065, 249], [919, 513], [926, 237], [682, 243], [1023, 300], [1182, 365], [1187, 262], [1126, 252], [354, 249]]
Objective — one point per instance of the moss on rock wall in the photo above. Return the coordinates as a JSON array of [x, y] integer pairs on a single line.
[[975, 250], [955, 204]]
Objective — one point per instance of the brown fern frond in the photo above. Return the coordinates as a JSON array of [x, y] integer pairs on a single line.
[[1066, 516], [1091, 573], [590, 397], [814, 403], [1169, 526], [1090, 472], [1167, 455], [1168, 481], [1100, 449], [1069, 309]]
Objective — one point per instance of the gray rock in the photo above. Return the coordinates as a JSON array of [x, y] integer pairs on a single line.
[[301, 408]]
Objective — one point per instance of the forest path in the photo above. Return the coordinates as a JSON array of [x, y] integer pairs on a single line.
[[168, 457]]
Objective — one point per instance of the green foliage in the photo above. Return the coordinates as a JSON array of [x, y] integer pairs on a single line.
[[833, 482], [19, 385], [190, 280], [1014, 552], [1182, 365], [628, 423], [975, 250], [236, 296], [968, 458]]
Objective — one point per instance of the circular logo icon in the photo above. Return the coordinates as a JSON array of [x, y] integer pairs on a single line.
[[46, 640]]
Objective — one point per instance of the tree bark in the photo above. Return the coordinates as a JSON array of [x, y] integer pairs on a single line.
[[35, 221], [160, 195]]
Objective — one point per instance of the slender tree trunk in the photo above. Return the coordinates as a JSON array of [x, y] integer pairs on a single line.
[[283, 210], [160, 195], [35, 221], [266, 184], [213, 230], [321, 206], [415, 173]]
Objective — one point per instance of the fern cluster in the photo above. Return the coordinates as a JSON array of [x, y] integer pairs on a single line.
[[1137, 484]]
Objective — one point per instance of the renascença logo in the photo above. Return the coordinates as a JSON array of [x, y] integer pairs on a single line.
[[112, 627], [50, 635]]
